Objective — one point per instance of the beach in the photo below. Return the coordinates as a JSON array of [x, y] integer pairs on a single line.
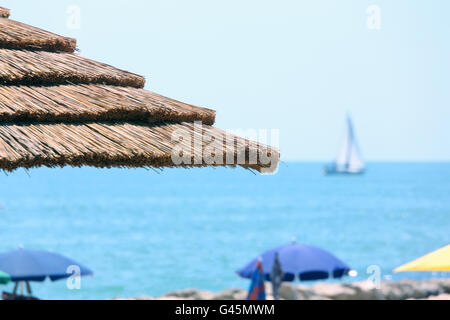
[[433, 289], [144, 233]]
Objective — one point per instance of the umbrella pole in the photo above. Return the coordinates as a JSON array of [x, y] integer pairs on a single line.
[[16, 284], [30, 293]]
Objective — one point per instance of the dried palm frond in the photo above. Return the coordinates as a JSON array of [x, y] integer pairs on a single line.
[[19, 67], [89, 103], [16, 35], [120, 145], [4, 13]]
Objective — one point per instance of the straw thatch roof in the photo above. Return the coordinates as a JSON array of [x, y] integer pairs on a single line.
[[58, 108], [16, 35], [84, 103], [101, 145], [4, 13], [51, 68]]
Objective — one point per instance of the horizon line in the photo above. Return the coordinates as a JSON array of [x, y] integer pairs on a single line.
[[367, 161]]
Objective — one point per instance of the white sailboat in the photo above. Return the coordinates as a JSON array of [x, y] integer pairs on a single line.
[[349, 159]]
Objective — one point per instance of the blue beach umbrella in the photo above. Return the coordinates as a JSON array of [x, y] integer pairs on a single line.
[[299, 260], [34, 265]]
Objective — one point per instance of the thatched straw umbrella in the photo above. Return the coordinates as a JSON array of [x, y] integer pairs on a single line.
[[58, 108], [4, 13]]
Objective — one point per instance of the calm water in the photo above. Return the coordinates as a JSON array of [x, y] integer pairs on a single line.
[[145, 233]]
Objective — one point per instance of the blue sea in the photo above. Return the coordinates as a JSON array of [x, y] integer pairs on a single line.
[[148, 233]]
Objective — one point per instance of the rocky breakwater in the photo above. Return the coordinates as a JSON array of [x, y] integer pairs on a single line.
[[399, 290]]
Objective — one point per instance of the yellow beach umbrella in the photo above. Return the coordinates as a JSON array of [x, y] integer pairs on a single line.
[[435, 261]]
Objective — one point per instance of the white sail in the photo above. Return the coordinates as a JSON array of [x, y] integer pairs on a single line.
[[349, 157]]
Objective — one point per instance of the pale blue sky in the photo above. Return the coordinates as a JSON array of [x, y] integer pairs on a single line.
[[297, 66]]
